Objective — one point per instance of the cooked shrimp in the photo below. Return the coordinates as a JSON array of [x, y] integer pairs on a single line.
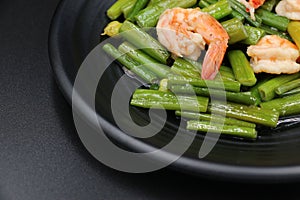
[[289, 9], [251, 5], [275, 55], [185, 32]]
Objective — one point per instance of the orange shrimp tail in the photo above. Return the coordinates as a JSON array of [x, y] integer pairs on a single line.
[[213, 59]]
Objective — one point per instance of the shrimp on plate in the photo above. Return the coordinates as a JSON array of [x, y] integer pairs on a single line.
[[275, 55], [251, 5], [289, 9], [185, 32]]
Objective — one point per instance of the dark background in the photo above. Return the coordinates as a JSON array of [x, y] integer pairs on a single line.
[[41, 156]]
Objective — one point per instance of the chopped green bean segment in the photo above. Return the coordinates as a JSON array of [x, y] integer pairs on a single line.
[[215, 118], [149, 16], [236, 14], [267, 89], [288, 105], [138, 6], [263, 116], [242, 70], [254, 35], [130, 64], [235, 30], [127, 8], [269, 4], [204, 126], [239, 97], [273, 20], [219, 9], [287, 86], [274, 31], [115, 10], [291, 92], [203, 4], [233, 86], [153, 65], [144, 41], [158, 99]]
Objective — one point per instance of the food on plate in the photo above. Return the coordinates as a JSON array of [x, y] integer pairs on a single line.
[[289, 9], [274, 55], [231, 62], [185, 32]]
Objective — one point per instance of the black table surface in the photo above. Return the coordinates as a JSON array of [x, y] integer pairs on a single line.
[[41, 156]]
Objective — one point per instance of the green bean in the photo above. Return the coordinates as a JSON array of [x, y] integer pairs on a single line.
[[214, 118], [151, 64], [242, 70], [274, 31], [254, 35], [269, 4], [239, 97], [144, 41], [138, 6], [153, 2], [288, 105], [211, 1], [233, 86], [235, 30], [126, 9], [157, 99], [254, 89], [267, 90], [204, 126], [219, 9], [185, 68], [115, 10], [226, 74], [130, 64], [190, 68], [149, 16], [287, 86], [236, 14], [291, 92], [272, 19], [262, 116], [203, 4]]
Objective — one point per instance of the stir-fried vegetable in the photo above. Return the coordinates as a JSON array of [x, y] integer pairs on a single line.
[[237, 99]]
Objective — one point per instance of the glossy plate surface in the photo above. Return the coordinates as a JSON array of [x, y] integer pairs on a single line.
[[75, 31]]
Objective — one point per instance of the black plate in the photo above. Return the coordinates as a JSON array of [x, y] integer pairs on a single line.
[[75, 31]]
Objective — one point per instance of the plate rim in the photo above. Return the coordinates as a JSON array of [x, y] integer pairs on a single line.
[[201, 168]]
